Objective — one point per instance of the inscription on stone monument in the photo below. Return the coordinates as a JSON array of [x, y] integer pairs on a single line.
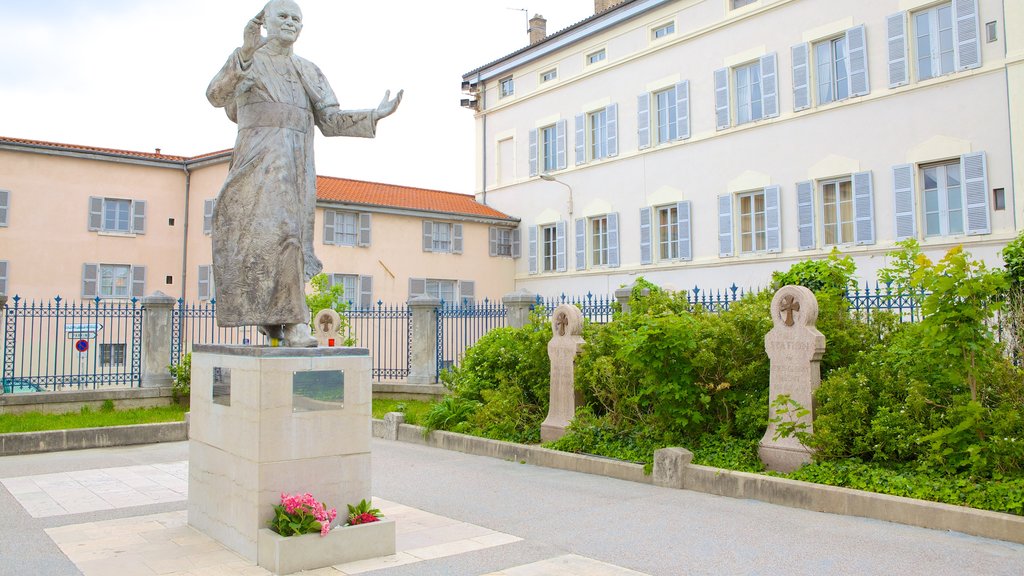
[[222, 386], [318, 390]]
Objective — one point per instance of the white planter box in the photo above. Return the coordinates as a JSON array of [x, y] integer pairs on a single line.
[[285, 555]]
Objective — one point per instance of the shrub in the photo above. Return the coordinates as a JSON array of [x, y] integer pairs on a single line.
[[182, 375]]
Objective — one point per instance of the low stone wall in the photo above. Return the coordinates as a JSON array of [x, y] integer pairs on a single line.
[[82, 438], [401, 391], [73, 400]]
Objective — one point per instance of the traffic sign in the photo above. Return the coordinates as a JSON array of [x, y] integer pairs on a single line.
[[82, 345]]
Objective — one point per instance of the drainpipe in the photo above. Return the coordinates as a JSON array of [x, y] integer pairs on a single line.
[[483, 171], [184, 236]]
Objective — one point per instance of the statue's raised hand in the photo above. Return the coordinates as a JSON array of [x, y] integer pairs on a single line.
[[388, 106], [252, 37]]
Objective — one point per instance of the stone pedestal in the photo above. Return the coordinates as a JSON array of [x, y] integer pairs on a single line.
[[566, 342], [270, 420], [795, 347]]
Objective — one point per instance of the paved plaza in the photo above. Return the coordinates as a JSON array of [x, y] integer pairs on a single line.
[[121, 511]]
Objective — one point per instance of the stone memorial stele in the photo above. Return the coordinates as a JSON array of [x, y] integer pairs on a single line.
[[263, 219], [566, 342], [794, 346], [325, 327]]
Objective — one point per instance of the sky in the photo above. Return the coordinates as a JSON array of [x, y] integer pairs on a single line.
[[132, 75]]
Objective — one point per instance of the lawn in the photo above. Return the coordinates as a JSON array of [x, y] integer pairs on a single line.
[[88, 418], [414, 410]]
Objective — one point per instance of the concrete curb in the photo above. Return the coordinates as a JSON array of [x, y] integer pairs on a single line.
[[83, 438], [673, 470]]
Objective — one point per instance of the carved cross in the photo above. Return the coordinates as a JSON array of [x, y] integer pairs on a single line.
[[326, 323], [789, 305], [561, 322]]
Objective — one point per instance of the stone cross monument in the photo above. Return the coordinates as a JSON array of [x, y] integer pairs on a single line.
[[566, 342], [325, 327], [794, 347]]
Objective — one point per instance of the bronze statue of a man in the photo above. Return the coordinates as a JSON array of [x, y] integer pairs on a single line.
[[263, 221]]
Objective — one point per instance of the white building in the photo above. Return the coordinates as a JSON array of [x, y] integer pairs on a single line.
[[711, 142]]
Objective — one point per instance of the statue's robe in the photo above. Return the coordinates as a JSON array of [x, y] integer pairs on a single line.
[[263, 220]]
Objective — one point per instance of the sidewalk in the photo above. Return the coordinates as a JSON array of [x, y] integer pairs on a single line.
[[120, 511]]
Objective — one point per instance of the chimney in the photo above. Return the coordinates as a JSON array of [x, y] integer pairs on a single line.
[[538, 29], [157, 151], [602, 5]]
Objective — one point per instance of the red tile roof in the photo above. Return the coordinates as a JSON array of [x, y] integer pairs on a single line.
[[393, 196], [133, 154]]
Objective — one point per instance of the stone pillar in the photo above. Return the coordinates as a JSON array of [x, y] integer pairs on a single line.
[[622, 296], [538, 28], [157, 317], [794, 347], [423, 363], [518, 304], [566, 342]]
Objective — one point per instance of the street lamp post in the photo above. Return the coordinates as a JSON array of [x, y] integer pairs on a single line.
[[568, 233]]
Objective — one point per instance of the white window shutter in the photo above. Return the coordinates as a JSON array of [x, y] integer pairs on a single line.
[[863, 208], [769, 85], [645, 235], [516, 249], [90, 280], [613, 239], [365, 228], [428, 236], [365, 292], [968, 43], [533, 152], [896, 32], [643, 121], [204, 283], [611, 129], [139, 216], [532, 248], [457, 238], [417, 287], [208, 216], [975, 182], [581, 243], [560, 245], [329, 218], [801, 77], [857, 54], [467, 291], [683, 110], [492, 241], [138, 281], [722, 116], [772, 229], [560, 127], [3, 277], [95, 213], [581, 139], [725, 225], [805, 213], [685, 233], [903, 197], [5, 200]]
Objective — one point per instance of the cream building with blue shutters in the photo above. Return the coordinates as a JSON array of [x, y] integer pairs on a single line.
[[711, 142]]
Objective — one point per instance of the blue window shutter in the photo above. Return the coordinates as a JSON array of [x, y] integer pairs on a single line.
[[896, 32], [968, 43], [95, 213], [801, 77], [611, 129], [685, 234], [138, 281], [645, 235], [722, 99], [365, 292], [581, 139], [328, 226], [769, 85], [613, 239], [560, 245], [208, 206], [139, 216], [428, 236], [773, 232], [863, 208], [560, 129], [457, 238], [643, 121], [805, 213], [857, 54], [532, 248], [533, 152], [975, 182], [581, 243], [725, 225], [90, 280], [903, 197], [683, 110], [364, 228]]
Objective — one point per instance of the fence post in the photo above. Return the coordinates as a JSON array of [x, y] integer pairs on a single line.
[[423, 363], [622, 295], [157, 312], [3, 309], [518, 304]]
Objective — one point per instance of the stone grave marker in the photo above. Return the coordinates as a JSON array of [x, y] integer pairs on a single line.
[[325, 327], [794, 347], [566, 342]]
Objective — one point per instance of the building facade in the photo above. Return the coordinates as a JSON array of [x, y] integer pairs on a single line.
[[81, 222], [711, 142]]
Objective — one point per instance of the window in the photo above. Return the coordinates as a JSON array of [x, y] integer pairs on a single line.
[[117, 215], [752, 222], [442, 237], [668, 233], [671, 115], [504, 242], [3, 276], [205, 281], [446, 290], [943, 39], [665, 233], [549, 148], [597, 134], [748, 93], [113, 281], [5, 202], [833, 79], [346, 228], [506, 161], [595, 57], [549, 249], [943, 199], [548, 75], [599, 241], [934, 41], [756, 92], [663, 30], [952, 195], [837, 211], [506, 87], [738, 3], [358, 290], [597, 130], [112, 354], [839, 69], [665, 109]]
